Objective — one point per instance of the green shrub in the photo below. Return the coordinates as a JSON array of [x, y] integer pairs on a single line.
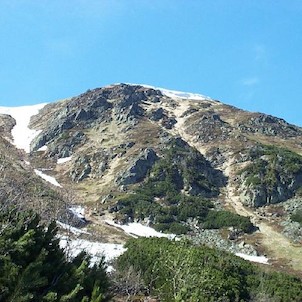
[[172, 218], [178, 271], [297, 216], [220, 219], [178, 228]]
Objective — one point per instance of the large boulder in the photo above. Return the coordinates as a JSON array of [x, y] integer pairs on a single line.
[[139, 168]]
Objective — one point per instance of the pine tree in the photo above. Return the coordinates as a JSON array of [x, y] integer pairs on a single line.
[[33, 267]]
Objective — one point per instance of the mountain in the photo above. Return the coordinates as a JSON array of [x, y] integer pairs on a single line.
[[182, 163]]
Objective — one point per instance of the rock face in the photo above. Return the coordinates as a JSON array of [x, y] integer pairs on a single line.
[[187, 169], [274, 175], [66, 144], [82, 169], [70, 118], [208, 126], [121, 103], [157, 114], [270, 126], [261, 196], [6, 124], [139, 168]]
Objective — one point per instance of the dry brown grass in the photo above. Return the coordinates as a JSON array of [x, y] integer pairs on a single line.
[[283, 253]]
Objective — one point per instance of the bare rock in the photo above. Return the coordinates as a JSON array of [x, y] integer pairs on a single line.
[[139, 168]]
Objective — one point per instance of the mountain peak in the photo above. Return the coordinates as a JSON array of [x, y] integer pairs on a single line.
[[138, 153]]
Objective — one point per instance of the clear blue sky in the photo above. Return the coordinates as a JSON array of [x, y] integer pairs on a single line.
[[247, 53]]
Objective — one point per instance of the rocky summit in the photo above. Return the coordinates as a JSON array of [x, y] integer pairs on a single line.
[[179, 162]]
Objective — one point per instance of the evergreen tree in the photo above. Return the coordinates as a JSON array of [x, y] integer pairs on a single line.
[[33, 267]]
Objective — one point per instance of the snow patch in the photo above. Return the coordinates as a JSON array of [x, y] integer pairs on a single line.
[[137, 229], [22, 135], [71, 229], [43, 148], [63, 160], [78, 211], [95, 249], [183, 95], [177, 94], [48, 178], [258, 259]]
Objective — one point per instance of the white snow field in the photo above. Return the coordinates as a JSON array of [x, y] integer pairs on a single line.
[[258, 259], [63, 160], [48, 178], [138, 230], [22, 135], [95, 249]]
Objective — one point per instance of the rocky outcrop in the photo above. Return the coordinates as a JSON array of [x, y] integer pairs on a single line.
[[95, 163], [292, 230], [66, 144], [269, 125], [91, 165], [71, 118], [216, 156], [188, 170], [213, 238], [157, 114], [139, 168], [168, 123], [273, 176], [88, 110], [6, 124], [128, 114], [260, 195], [81, 169], [208, 126]]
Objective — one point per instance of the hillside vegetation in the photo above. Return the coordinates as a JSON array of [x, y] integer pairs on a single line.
[[34, 268], [180, 188], [178, 271]]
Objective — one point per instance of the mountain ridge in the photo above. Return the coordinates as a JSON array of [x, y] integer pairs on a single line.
[[115, 137]]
